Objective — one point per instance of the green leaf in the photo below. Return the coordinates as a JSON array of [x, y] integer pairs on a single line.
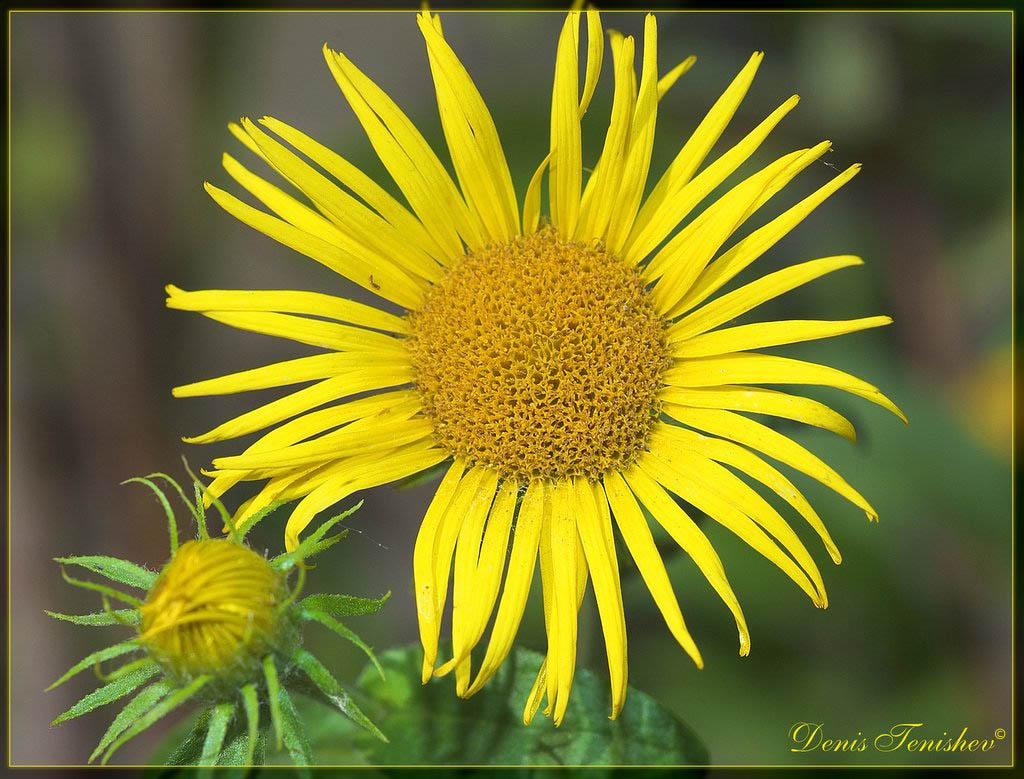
[[344, 605], [330, 622], [274, 696], [220, 718], [251, 521], [236, 752], [121, 571], [107, 653], [134, 709], [251, 702], [110, 592], [113, 617], [108, 693], [429, 725], [333, 690]]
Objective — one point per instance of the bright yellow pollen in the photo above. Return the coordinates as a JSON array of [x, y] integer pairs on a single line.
[[213, 608], [540, 358]]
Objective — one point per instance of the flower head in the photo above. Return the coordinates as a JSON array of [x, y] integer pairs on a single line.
[[568, 372], [218, 625]]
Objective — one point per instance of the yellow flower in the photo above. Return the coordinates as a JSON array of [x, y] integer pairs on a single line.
[[571, 373]]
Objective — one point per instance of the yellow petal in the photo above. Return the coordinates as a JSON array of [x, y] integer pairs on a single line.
[[640, 543], [653, 225], [763, 334], [749, 463], [286, 301], [666, 82], [388, 467], [423, 565], [762, 401], [685, 533], [734, 505], [521, 564], [313, 332], [352, 382], [566, 167], [362, 185], [751, 295], [758, 242], [755, 435], [388, 282], [595, 55], [641, 142], [411, 162], [693, 152], [531, 203], [472, 139], [595, 533], [753, 368]]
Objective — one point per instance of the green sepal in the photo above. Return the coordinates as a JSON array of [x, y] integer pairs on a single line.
[[165, 706], [110, 592], [113, 617], [343, 605], [273, 697], [220, 718], [98, 656], [331, 623], [294, 737], [189, 744], [135, 708], [172, 523], [251, 521], [109, 693], [314, 542], [115, 569], [236, 751], [251, 703], [333, 690]]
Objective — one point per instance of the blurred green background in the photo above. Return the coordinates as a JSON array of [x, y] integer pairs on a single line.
[[118, 118]]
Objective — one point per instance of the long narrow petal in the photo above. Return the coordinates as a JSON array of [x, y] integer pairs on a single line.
[[763, 334], [286, 302], [352, 382], [595, 56], [686, 255], [697, 468], [668, 214], [390, 466], [598, 198], [751, 295], [700, 142], [744, 460], [521, 564], [777, 446], [313, 332], [411, 162], [686, 533], [566, 166], [362, 230], [762, 401], [699, 493], [640, 543], [362, 185], [594, 526], [753, 368], [723, 269], [641, 143], [467, 550], [423, 564], [666, 82], [564, 562], [388, 282], [531, 203], [472, 139]]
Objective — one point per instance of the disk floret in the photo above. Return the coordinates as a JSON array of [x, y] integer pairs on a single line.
[[540, 358]]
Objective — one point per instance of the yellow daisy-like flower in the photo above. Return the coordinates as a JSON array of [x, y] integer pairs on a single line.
[[572, 372]]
